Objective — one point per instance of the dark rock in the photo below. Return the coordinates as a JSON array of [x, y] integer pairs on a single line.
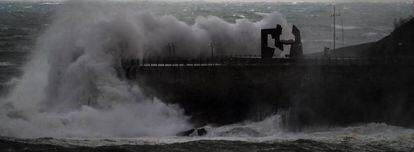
[[186, 133], [201, 132], [194, 132]]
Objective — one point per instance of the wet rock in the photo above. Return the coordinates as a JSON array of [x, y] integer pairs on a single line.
[[194, 132]]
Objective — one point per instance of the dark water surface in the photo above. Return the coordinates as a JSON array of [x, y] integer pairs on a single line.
[[207, 146]]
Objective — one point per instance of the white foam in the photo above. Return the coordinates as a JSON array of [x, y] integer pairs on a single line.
[[268, 131], [70, 86], [346, 27], [5, 64]]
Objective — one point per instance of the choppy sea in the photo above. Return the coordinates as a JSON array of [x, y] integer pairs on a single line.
[[21, 23]]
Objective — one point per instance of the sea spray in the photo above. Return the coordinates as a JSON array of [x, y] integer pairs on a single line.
[[71, 86], [271, 126]]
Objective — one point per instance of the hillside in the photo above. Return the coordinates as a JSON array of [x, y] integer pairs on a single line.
[[399, 43]]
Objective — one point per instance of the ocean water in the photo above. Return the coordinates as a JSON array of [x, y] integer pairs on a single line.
[[59, 90]]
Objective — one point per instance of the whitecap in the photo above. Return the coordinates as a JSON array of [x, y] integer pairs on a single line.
[[5, 64]]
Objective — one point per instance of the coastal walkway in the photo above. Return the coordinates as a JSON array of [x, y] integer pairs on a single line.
[[255, 60]]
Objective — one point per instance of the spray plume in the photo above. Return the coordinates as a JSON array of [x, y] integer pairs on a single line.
[[70, 86]]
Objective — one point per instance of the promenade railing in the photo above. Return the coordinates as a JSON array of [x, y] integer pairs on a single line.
[[246, 60]]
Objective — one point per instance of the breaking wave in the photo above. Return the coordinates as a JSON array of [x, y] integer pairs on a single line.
[[73, 86], [271, 129], [371, 136]]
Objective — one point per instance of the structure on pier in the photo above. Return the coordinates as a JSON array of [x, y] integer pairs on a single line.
[[317, 91], [296, 49], [267, 52]]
